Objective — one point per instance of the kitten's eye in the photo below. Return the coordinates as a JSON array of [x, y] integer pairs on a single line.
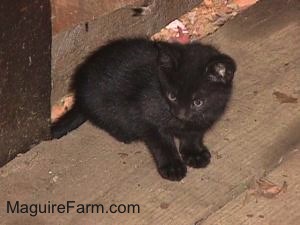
[[198, 102], [171, 97]]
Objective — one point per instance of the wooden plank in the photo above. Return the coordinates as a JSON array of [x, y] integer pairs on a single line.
[[252, 208], [257, 130], [69, 13], [25, 68]]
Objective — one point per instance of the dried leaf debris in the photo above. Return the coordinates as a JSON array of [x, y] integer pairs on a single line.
[[204, 19], [264, 188]]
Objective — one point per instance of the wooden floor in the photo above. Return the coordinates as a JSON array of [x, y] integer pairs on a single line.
[[255, 136]]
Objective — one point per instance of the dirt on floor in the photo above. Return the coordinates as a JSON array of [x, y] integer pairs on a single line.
[[254, 174]]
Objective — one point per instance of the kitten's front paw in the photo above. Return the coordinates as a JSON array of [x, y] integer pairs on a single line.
[[199, 159], [174, 170]]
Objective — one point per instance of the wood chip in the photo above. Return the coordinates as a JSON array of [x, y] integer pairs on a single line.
[[284, 98], [123, 155], [265, 188], [164, 205]]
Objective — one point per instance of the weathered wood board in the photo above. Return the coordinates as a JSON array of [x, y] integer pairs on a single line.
[[259, 127], [25, 75]]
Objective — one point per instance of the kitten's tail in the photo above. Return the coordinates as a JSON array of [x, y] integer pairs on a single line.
[[68, 122]]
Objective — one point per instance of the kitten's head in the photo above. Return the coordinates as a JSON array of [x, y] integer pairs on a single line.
[[196, 80]]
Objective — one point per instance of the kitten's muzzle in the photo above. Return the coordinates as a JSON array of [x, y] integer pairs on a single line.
[[181, 114]]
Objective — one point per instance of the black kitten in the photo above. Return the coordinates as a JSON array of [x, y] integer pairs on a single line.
[[137, 89]]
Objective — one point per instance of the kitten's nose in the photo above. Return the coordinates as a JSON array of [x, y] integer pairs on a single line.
[[181, 114]]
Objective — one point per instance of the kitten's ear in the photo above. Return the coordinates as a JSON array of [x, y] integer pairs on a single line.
[[167, 56], [221, 68]]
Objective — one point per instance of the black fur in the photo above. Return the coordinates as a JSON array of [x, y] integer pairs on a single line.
[[136, 89]]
